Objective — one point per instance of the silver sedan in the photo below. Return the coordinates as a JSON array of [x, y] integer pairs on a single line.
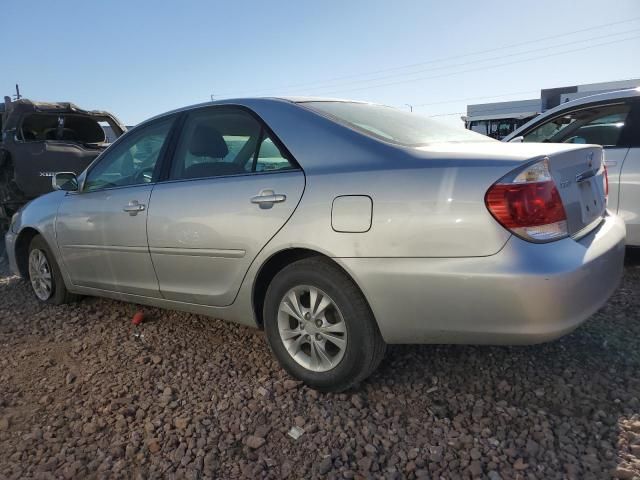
[[336, 226]]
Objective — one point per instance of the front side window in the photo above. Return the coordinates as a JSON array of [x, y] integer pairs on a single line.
[[132, 161], [599, 125], [224, 141], [393, 125]]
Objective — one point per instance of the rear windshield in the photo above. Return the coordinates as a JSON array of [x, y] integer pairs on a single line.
[[37, 127], [393, 125]]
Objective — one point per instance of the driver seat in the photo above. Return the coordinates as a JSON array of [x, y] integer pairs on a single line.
[[208, 144]]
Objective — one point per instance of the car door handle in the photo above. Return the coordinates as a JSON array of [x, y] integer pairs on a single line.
[[134, 207], [267, 198]]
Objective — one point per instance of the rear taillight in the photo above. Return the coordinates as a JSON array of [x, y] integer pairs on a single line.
[[605, 179], [529, 204]]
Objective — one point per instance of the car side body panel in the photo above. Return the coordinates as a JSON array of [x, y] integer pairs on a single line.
[[204, 234], [103, 246]]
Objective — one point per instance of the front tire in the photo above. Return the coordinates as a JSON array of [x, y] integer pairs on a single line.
[[45, 278], [320, 327]]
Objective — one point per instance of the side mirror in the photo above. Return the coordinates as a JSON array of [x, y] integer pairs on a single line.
[[518, 139], [66, 181]]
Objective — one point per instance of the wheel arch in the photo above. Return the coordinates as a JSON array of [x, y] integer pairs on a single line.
[[22, 249], [274, 264]]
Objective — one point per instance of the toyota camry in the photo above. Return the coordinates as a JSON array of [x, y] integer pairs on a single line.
[[336, 226]]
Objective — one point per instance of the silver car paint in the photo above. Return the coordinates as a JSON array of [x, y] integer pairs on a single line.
[[526, 293], [431, 240], [203, 243], [104, 247]]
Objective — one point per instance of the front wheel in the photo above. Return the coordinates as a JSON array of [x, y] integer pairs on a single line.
[[44, 274], [320, 327]]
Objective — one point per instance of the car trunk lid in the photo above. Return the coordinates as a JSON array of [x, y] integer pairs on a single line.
[[579, 175], [577, 171]]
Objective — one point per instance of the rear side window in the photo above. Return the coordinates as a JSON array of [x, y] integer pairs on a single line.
[[270, 157], [600, 125], [225, 141]]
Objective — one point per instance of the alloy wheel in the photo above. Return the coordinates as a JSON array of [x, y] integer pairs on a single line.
[[312, 328], [40, 274]]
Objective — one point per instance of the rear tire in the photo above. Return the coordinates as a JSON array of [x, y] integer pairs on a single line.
[[331, 345], [3, 248], [45, 277]]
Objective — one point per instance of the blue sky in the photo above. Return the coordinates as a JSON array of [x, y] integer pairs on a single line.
[[141, 58]]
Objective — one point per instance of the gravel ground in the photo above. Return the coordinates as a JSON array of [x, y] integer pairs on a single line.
[[80, 397]]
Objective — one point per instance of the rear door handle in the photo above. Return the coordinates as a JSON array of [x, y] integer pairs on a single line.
[[134, 207], [275, 198], [267, 198]]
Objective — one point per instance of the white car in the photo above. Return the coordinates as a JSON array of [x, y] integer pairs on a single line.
[[609, 119]]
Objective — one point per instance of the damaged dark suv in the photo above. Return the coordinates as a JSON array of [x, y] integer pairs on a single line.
[[39, 139]]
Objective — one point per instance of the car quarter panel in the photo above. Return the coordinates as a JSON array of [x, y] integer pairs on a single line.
[[527, 293], [425, 203], [415, 213]]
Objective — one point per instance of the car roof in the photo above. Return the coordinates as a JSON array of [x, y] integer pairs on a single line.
[[247, 101], [588, 100], [305, 99]]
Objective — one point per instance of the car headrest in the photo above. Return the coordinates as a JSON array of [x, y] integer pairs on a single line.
[[206, 141]]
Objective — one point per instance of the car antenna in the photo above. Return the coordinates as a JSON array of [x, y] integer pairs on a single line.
[[17, 96]]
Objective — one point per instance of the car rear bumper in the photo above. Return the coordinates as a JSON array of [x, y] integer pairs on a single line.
[[527, 293]]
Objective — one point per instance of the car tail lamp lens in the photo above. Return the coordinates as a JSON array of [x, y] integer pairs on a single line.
[[606, 181], [529, 205]]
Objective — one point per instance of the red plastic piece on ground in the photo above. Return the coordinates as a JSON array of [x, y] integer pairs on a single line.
[[138, 318]]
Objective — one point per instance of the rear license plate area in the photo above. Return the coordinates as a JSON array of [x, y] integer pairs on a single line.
[[590, 201]]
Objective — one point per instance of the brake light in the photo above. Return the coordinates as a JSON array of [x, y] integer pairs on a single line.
[[529, 204], [606, 182]]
